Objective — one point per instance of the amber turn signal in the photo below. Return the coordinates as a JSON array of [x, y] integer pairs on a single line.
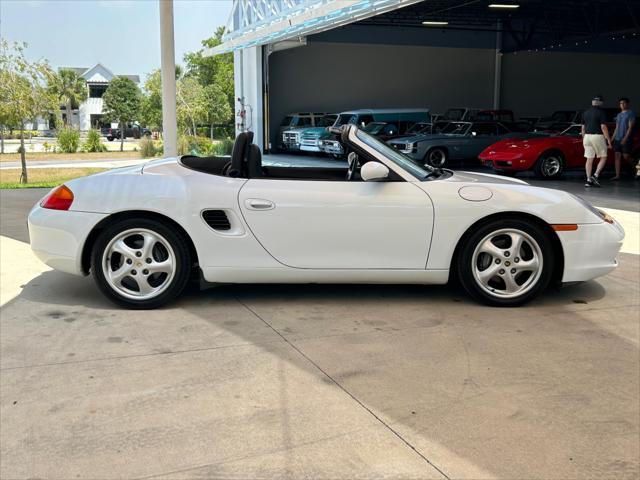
[[59, 198], [565, 227]]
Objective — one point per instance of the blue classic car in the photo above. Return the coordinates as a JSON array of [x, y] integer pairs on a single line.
[[454, 141]]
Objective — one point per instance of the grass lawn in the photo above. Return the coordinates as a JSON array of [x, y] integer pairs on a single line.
[[15, 157], [43, 177]]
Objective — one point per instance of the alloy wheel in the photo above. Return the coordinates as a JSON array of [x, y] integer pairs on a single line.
[[139, 264], [507, 263], [551, 166]]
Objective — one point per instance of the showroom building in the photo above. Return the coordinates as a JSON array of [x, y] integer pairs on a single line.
[[529, 56]]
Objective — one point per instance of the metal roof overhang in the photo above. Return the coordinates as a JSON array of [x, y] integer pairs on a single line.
[[309, 17]]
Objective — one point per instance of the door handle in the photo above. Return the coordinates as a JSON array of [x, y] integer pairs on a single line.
[[259, 204]]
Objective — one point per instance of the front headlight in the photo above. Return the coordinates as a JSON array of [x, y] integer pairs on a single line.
[[603, 215], [408, 148]]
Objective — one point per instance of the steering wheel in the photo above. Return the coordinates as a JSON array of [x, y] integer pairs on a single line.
[[353, 164]]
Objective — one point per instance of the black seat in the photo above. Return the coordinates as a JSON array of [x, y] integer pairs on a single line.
[[254, 162], [239, 155]]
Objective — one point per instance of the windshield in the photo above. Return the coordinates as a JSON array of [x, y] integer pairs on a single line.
[[454, 114], [326, 121], [573, 130], [455, 128], [416, 169], [419, 128], [374, 128], [343, 119]]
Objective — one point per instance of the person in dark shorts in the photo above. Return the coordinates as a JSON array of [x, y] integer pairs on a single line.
[[595, 139], [622, 138]]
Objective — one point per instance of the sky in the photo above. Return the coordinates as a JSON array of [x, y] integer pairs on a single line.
[[123, 35]]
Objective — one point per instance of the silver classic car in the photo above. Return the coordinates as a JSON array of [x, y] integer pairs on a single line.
[[454, 141]]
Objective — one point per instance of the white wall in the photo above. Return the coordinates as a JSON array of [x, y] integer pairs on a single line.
[[248, 84], [91, 106]]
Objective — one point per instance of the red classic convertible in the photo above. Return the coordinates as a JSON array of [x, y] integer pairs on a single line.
[[547, 156]]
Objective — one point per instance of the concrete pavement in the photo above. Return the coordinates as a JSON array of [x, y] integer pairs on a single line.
[[313, 381]]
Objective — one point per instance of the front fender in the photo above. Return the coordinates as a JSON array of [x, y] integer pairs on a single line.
[[453, 215]]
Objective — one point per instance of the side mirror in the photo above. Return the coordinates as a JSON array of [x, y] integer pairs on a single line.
[[374, 172]]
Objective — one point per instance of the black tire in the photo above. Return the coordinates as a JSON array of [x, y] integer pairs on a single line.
[[464, 268], [436, 157], [110, 138], [549, 166], [180, 249]]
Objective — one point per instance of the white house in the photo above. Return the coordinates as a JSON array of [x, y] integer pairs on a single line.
[[90, 114]]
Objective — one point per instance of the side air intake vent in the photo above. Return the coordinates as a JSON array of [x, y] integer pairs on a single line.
[[216, 219]]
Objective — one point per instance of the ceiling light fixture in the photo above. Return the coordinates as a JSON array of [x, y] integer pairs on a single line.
[[433, 23], [511, 6]]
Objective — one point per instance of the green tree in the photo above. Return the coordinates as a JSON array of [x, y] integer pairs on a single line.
[[217, 109], [216, 70], [151, 102], [23, 92], [191, 104], [122, 101], [70, 89]]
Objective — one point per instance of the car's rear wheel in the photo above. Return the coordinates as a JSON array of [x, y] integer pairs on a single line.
[[110, 138], [506, 262], [140, 263], [436, 157], [550, 165]]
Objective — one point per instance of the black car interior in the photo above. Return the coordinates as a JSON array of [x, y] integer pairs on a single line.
[[246, 162]]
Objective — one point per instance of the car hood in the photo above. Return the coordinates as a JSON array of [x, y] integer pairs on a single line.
[[474, 177], [424, 137], [315, 131]]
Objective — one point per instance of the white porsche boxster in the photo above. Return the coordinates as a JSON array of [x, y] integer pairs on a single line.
[[143, 232]]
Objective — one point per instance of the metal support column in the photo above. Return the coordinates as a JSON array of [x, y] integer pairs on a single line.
[[497, 74], [168, 67]]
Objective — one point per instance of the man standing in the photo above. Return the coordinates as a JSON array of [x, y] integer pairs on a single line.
[[622, 134], [595, 139]]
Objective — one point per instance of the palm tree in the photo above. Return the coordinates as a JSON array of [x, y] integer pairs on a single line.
[[69, 88]]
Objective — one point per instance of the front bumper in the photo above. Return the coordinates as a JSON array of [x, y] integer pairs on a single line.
[[332, 147], [506, 161], [590, 251], [57, 237]]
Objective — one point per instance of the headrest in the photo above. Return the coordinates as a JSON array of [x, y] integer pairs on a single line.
[[239, 154], [254, 162]]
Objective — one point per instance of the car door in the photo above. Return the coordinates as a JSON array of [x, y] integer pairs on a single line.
[[483, 135], [340, 224]]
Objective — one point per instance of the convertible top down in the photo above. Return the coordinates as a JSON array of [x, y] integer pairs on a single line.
[[142, 231]]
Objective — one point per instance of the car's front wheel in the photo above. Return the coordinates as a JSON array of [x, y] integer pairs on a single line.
[[506, 262], [140, 263], [436, 157], [549, 166]]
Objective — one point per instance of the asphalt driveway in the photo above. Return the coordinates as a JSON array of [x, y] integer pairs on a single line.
[[313, 381]]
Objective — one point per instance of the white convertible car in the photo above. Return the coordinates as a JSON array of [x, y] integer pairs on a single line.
[[144, 231]]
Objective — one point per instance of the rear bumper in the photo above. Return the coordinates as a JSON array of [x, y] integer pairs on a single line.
[[57, 237], [590, 251]]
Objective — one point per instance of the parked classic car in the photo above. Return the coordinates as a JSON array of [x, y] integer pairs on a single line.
[[455, 141], [401, 117], [292, 140], [383, 218], [547, 156], [296, 120]]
